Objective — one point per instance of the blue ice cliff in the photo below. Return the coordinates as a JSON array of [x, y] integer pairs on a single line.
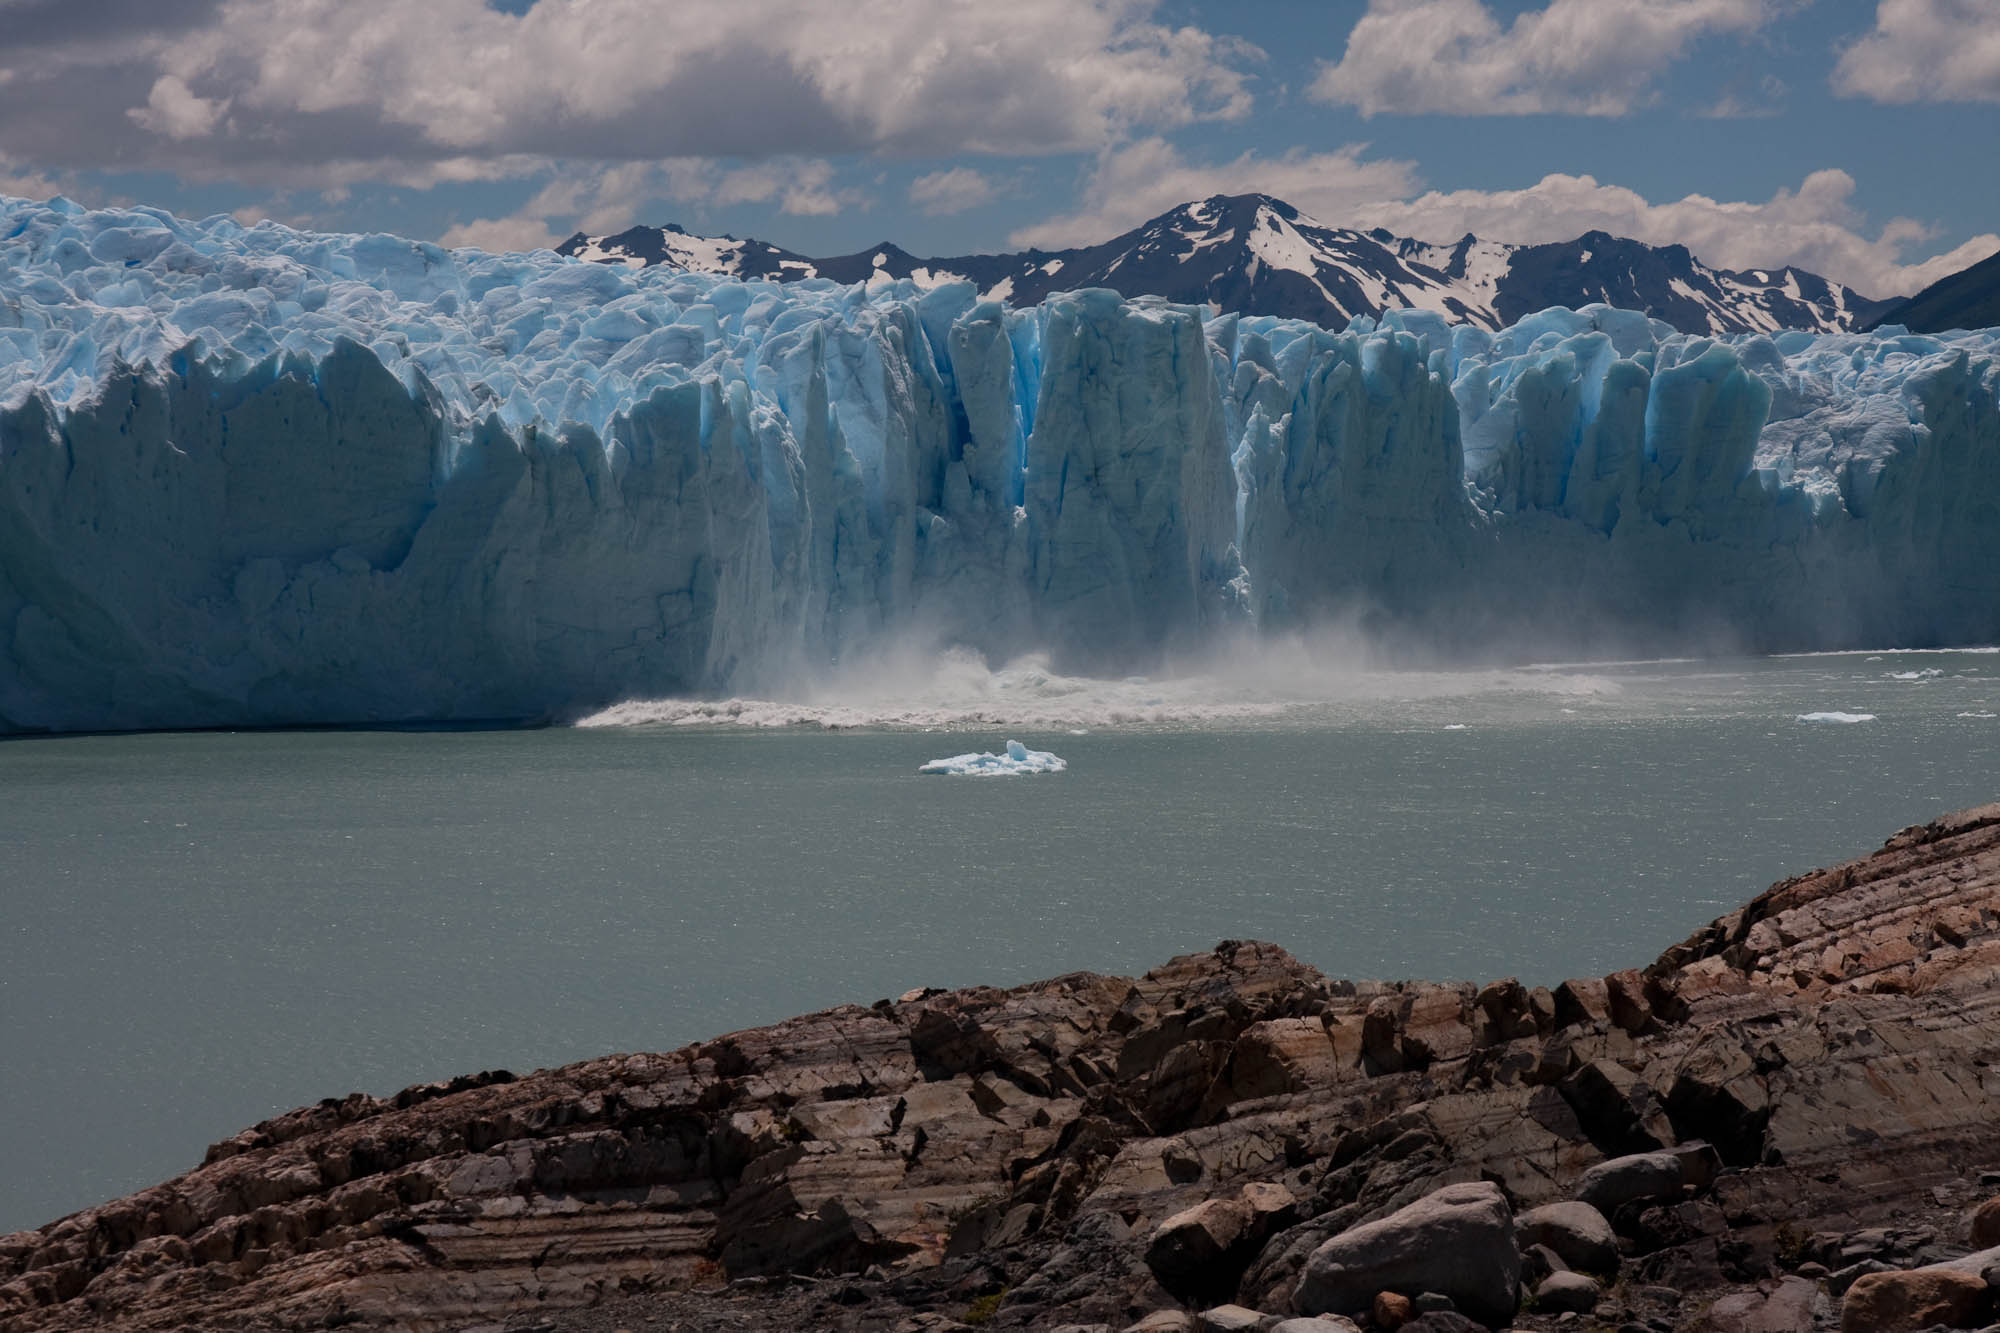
[[267, 476]]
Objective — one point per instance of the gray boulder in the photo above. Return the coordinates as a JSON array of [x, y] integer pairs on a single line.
[[1235, 1319], [1319, 1323], [1568, 1292], [1538, 1261], [1575, 1231], [1192, 1252], [1978, 1263], [1164, 1321], [1444, 1321], [1458, 1241], [1646, 1175], [1199, 1253], [1786, 1308]]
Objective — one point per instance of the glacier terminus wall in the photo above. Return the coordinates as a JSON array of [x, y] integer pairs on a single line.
[[261, 476]]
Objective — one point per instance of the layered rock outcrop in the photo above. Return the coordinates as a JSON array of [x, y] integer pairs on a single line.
[[1805, 1087]]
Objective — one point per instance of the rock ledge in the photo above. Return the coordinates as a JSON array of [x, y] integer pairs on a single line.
[[1800, 1091]]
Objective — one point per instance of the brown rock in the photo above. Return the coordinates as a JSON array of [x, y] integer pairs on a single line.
[[1906, 1301], [1986, 1225], [1382, 1035], [1504, 1007], [1283, 1055], [1392, 1310], [1583, 1000], [1625, 995], [1434, 1026]]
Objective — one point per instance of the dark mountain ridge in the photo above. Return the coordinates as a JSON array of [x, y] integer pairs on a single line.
[[1256, 255], [1968, 299]]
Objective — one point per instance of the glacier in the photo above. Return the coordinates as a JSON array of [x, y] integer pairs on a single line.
[[260, 476], [1014, 760]]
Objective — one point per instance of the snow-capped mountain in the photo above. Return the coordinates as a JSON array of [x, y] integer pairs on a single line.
[[643, 247], [1260, 256]]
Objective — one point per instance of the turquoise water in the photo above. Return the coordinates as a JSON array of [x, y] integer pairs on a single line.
[[200, 930]]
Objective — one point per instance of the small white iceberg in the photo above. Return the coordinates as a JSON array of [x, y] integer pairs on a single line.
[[1018, 759], [1836, 717]]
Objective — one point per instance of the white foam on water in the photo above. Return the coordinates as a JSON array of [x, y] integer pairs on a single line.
[[1016, 761], [1840, 718], [1979, 714], [1877, 654], [956, 689]]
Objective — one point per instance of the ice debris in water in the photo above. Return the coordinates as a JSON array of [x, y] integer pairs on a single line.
[[1018, 758], [1836, 717]]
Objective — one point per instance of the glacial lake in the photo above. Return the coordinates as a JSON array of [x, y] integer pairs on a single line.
[[201, 930]]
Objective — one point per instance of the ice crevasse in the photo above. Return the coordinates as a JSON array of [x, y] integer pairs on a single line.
[[258, 475]]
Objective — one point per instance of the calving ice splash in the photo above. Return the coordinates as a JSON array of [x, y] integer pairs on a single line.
[[267, 476], [1283, 681], [1017, 760]]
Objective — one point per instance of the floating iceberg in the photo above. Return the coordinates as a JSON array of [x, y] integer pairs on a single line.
[[1017, 759], [1837, 718], [264, 476]]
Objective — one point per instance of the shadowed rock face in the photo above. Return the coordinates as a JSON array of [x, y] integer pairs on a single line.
[[1836, 1040]]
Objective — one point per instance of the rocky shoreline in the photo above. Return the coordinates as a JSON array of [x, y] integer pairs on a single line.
[[1789, 1121]]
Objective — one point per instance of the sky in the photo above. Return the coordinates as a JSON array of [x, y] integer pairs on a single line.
[[1854, 139]]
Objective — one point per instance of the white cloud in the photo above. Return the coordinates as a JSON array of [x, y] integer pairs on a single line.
[[1577, 57], [802, 187], [1144, 179], [942, 193], [501, 235], [1736, 104], [22, 182], [1926, 51], [172, 109], [1815, 227], [612, 80], [279, 209], [605, 200]]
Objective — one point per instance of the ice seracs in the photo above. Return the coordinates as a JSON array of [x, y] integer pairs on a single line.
[[1015, 761], [263, 476]]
